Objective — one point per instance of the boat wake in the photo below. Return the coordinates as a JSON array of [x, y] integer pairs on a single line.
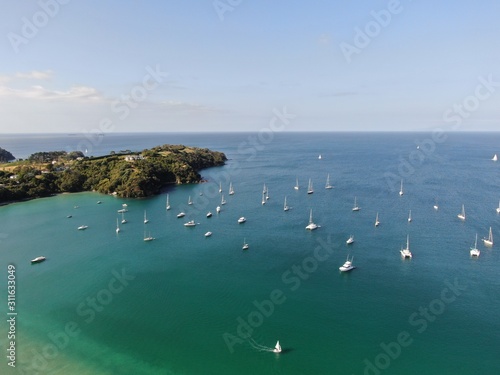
[[259, 347]]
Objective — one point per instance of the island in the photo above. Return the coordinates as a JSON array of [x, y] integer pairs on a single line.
[[124, 173]]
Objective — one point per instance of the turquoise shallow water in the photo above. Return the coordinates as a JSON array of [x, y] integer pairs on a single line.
[[180, 295]]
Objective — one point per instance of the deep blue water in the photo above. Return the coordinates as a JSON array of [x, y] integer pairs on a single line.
[[186, 295]]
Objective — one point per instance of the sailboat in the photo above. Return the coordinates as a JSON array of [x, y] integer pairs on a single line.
[[296, 187], [355, 207], [311, 225], [461, 215], [377, 222], [474, 251], [190, 202], [245, 245], [498, 208], [310, 187], [148, 238], [145, 218], [495, 157], [350, 240], [401, 189], [436, 207], [117, 226], [123, 218], [231, 190], [488, 242], [320, 157], [220, 187], [406, 253], [263, 198], [167, 206], [264, 189], [328, 186], [285, 206], [222, 200], [409, 217], [277, 347]]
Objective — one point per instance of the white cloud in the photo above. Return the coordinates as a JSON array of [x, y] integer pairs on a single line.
[[40, 92], [35, 74]]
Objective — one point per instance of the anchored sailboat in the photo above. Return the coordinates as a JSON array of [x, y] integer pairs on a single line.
[[328, 186], [406, 253], [488, 242], [401, 189], [355, 208], [495, 157], [377, 222], [145, 218], [296, 187], [461, 215], [310, 187], [474, 251], [409, 217], [285, 206], [231, 190], [311, 225], [167, 206]]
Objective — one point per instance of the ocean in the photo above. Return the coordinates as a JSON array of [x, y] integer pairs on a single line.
[[108, 303]]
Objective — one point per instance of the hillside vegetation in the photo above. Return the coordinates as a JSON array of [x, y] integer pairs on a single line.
[[131, 175]]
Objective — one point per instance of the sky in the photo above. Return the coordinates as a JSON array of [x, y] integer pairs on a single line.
[[70, 66]]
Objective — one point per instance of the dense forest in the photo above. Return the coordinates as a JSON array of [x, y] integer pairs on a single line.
[[131, 175], [5, 156]]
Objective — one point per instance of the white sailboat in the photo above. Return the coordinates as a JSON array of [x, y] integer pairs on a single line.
[[285, 206], [267, 194], [320, 157], [277, 347], [310, 189], [401, 189], [117, 226], [409, 217], [488, 242], [148, 238], [245, 245], [495, 157], [145, 218], [436, 207], [167, 206], [406, 253], [498, 208], [263, 198], [264, 189], [220, 187], [355, 207], [328, 186], [311, 225], [123, 218], [231, 190], [350, 240], [217, 209], [474, 251], [377, 222], [461, 215], [190, 202], [222, 200], [296, 187]]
